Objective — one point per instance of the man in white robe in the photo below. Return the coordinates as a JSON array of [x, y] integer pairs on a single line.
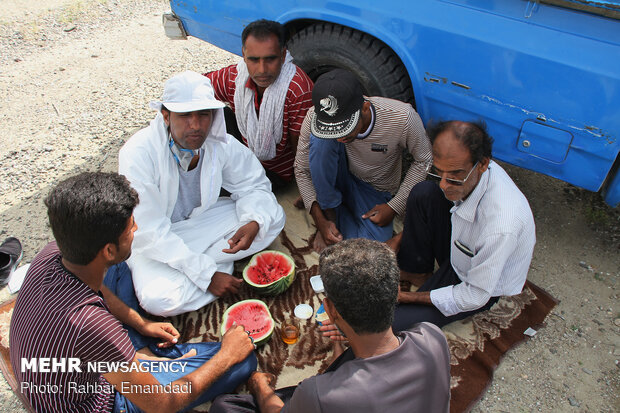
[[188, 236]]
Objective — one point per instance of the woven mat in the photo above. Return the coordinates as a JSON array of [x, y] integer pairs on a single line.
[[477, 344]]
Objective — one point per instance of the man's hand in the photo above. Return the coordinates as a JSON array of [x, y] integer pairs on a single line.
[[325, 223], [236, 344], [332, 332], [330, 232], [165, 331], [222, 283], [381, 214], [243, 238]]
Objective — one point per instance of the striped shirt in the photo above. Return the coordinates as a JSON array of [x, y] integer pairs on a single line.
[[496, 225], [57, 316], [397, 127], [297, 102]]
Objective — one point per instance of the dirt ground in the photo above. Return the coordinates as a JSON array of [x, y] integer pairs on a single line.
[[75, 80]]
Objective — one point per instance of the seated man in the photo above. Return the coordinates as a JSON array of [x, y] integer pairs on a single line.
[[476, 224], [349, 160], [188, 236], [381, 372], [66, 330], [269, 96]]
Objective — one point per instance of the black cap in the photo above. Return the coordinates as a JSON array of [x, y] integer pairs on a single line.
[[337, 97]]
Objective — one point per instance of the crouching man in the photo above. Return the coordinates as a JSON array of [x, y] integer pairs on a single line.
[[381, 371], [474, 222], [69, 348]]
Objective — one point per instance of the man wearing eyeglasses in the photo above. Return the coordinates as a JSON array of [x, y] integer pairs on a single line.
[[473, 221], [349, 160]]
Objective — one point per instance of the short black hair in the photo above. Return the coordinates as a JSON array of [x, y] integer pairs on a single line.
[[473, 135], [361, 278], [88, 211], [262, 29]]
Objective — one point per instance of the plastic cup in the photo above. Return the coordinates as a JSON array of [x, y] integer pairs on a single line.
[[289, 331]]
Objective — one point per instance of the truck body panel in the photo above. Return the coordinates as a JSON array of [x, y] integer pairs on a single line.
[[545, 79]]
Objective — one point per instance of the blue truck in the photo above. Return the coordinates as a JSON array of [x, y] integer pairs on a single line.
[[544, 75]]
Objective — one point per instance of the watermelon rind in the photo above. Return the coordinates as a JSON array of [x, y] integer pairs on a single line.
[[276, 287], [258, 340]]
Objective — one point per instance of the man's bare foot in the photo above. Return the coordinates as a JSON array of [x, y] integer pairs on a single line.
[[298, 203], [416, 279], [319, 243], [394, 242]]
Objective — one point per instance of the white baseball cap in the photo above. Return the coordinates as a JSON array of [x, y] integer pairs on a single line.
[[187, 92]]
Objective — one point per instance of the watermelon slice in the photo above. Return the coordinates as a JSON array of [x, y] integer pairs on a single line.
[[270, 272], [254, 316]]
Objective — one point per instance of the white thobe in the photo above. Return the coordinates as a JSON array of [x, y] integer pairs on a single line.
[[172, 264]]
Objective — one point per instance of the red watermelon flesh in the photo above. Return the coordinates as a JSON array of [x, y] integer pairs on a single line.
[[269, 267], [253, 315]]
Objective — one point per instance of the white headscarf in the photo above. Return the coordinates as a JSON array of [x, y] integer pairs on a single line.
[[265, 133]]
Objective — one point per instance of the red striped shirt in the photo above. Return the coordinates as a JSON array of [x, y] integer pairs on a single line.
[[57, 316], [297, 102]]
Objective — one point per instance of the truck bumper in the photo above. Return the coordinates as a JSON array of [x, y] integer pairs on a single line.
[[173, 26]]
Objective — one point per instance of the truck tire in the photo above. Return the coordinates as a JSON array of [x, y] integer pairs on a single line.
[[322, 47]]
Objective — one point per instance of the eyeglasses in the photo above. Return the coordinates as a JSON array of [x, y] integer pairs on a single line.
[[437, 178]]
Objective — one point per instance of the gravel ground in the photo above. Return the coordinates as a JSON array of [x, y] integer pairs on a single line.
[[76, 77]]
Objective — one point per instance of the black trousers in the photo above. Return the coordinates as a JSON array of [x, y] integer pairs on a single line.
[[426, 239], [246, 403]]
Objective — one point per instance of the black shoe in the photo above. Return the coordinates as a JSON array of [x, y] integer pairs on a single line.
[[10, 256]]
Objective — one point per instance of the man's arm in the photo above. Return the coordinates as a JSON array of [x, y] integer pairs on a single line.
[[130, 317], [298, 102], [244, 177], [294, 140], [261, 387], [481, 278], [302, 164], [414, 297], [325, 222], [223, 82], [415, 140], [222, 283], [236, 346]]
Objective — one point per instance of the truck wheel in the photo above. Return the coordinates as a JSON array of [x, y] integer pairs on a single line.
[[320, 48]]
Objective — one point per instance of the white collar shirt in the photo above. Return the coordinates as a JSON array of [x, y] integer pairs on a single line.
[[495, 228]]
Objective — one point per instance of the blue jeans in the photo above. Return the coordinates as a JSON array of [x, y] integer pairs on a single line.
[[337, 188], [118, 280]]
